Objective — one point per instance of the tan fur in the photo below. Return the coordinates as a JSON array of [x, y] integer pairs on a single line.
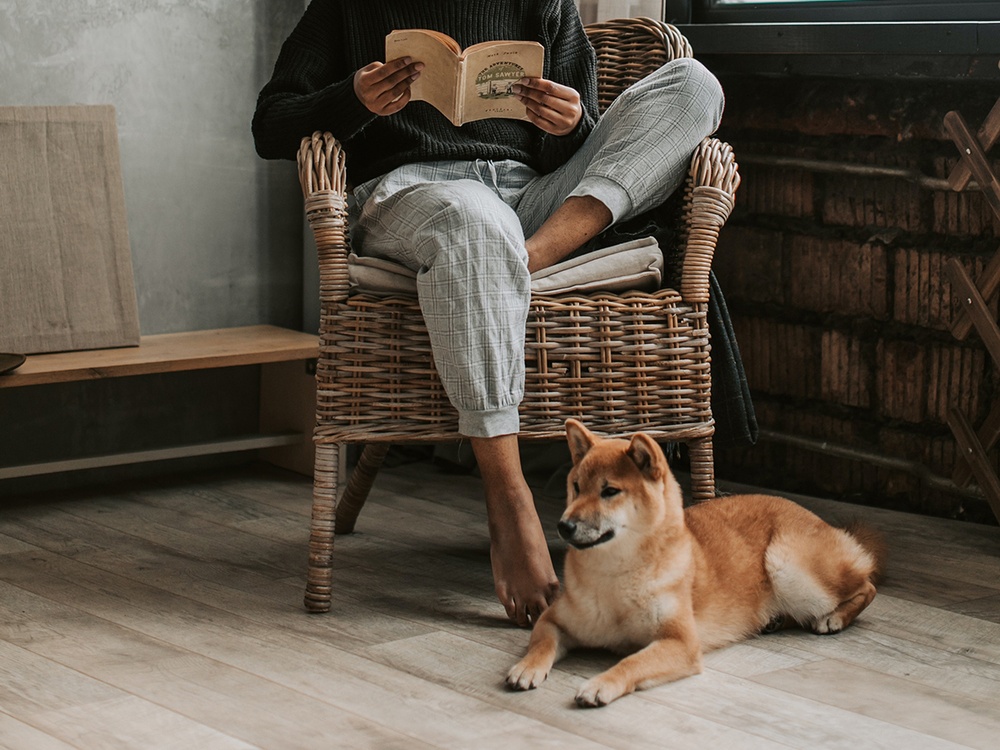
[[664, 585]]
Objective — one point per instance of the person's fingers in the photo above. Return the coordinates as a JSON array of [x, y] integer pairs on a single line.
[[401, 75], [393, 71], [551, 121], [396, 104], [551, 94], [543, 114], [551, 106], [384, 87]]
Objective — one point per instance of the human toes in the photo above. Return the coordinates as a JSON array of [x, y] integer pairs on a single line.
[[506, 601], [522, 615], [538, 605]]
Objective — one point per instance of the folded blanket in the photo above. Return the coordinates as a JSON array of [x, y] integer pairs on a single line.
[[635, 264]]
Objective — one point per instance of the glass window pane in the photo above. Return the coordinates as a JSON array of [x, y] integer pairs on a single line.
[[601, 10]]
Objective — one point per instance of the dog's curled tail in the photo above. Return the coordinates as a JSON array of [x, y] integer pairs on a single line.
[[873, 542]]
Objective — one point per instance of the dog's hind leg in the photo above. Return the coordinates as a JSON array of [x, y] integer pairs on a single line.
[[845, 612], [823, 582]]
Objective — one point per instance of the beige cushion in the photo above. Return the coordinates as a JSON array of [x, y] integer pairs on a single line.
[[637, 264]]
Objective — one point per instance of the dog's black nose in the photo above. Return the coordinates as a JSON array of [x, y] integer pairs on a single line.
[[566, 529]]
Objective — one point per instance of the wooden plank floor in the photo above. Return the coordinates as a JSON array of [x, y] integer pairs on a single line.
[[167, 615]]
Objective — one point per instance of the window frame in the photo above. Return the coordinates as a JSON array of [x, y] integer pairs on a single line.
[[962, 48], [806, 11]]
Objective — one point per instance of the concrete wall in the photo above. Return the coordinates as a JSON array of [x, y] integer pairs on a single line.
[[216, 233]]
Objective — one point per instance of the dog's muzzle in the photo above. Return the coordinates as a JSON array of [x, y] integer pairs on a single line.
[[577, 535]]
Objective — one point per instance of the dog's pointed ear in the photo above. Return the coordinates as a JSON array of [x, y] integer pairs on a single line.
[[580, 440], [647, 456]]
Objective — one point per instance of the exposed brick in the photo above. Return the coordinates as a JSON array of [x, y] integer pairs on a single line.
[[916, 273], [815, 108], [770, 190], [936, 453], [780, 358], [839, 277], [891, 486], [898, 111], [850, 343], [748, 264], [923, 293], [845, 373], [901, 380], [877, 203], [791, 468], [954, 380], [799, 468], [963, 215]]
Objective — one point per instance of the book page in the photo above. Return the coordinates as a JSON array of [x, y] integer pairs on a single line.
[[438, 81], [491, 69]]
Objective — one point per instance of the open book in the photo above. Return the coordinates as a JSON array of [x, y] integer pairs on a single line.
[[468, 85]]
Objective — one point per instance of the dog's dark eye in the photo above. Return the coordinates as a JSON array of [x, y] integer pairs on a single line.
[[576, 488], [609, 492]]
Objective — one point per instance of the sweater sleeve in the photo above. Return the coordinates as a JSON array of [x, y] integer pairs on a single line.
[[311, 88], [571, 62]]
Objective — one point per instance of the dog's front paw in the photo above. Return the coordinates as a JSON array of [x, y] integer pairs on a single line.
[[598, 691], [526, 676]]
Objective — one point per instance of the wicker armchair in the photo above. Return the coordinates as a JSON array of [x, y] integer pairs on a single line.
[[618, 362]]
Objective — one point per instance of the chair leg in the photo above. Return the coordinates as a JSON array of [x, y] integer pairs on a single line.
[[360, 484], [702, 469], [325, 480]]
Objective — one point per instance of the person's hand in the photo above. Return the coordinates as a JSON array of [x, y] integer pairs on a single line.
[[384, 88], [551, 106]]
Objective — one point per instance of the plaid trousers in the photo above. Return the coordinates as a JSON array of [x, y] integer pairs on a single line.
[[461, 226]]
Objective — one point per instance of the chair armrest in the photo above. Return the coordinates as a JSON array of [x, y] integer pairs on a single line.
[[708, 200], [323, 177]]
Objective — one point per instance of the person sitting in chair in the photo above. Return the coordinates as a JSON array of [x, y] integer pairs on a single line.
[[474, 210]]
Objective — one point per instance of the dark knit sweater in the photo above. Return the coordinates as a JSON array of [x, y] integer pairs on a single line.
[[312, 87]]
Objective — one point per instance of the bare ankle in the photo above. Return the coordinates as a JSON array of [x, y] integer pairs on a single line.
[[577, 221]]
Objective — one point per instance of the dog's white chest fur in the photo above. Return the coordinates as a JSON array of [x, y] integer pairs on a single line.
[[615, 614]]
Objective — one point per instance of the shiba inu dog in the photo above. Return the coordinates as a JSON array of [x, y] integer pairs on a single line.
[[646, 577]]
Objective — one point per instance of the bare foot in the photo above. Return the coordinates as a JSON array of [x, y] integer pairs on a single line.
[[523, 575]]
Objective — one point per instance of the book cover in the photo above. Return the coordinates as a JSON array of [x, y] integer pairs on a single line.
[[471, 84]]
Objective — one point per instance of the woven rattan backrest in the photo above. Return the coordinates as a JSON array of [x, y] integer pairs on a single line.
[[629, 49]]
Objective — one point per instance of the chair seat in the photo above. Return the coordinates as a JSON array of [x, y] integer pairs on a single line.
[[620, 361], [637, 264]]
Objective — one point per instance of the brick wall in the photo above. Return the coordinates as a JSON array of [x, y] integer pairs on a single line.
[[835, 282]]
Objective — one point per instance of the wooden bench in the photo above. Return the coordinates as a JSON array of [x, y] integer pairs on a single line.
[[287, 390]]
